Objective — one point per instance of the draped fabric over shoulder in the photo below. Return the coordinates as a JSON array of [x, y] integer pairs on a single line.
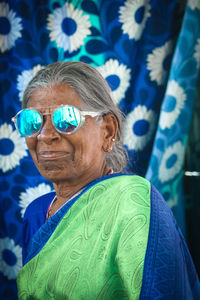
[[116, 240]]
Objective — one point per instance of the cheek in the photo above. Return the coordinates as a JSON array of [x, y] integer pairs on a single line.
[[90, 149], [31, 144]]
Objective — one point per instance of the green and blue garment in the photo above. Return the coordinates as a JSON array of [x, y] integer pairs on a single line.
[[117, 239]]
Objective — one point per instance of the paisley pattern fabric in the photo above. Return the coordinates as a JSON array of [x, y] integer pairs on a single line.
[[133, 251], [104, 253], [149, 53]]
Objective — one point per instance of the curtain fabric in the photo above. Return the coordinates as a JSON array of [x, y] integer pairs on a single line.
[[165, 169], [149, 53]]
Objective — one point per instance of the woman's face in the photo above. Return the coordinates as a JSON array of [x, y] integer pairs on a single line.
[[59, 157]]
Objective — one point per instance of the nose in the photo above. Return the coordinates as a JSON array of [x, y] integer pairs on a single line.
[[48, 132]]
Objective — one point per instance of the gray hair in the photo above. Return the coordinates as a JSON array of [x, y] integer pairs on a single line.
[[93, 91]]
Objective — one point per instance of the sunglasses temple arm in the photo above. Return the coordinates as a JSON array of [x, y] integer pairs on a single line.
[[91, 113]]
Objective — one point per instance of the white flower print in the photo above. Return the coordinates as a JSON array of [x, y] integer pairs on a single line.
[[68, 27], [197, 52], [118, 77], [10, 27], [24, 78], [173, 103], [10, 258], [155, 63], [139, 127], [12, 148], [133, 15], [193, 4], [31, 194], [172, 162]]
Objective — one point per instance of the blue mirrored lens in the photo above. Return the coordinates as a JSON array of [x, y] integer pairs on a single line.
[[29, 122], [66, 119]]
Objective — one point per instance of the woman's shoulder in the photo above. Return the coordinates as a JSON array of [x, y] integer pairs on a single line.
[[39, 205], [128, 178], [128, 193], [132, 184], [139, 192]]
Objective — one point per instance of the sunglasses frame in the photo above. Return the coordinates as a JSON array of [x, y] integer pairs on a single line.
[[82, 114]]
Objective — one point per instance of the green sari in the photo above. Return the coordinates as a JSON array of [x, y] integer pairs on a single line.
[[97, 250]]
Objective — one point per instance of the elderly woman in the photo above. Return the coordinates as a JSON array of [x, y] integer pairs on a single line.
[[102, 234]]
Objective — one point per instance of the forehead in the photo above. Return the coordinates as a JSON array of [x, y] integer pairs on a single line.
[[55, 96]]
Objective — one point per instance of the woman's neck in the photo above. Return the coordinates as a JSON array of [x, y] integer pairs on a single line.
[[66, 189]]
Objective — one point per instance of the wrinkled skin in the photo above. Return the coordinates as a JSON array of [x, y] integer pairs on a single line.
[[69, 161]]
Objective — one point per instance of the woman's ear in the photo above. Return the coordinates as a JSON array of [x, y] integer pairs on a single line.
[[110, 128]]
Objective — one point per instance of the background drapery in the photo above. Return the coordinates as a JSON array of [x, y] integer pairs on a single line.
[[149, 53]]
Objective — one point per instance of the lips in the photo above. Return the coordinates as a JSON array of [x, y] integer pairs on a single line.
[[48, 155]]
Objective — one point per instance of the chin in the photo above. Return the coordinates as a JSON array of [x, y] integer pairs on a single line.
[[56, 174], [51, 173]]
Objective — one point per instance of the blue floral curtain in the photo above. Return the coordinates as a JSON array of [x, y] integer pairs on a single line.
[[149, 53], [165, 169]]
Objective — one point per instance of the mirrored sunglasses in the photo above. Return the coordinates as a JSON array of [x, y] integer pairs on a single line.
[[66, 119]]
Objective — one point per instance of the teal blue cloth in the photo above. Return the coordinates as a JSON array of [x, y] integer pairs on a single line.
[[165, 168]]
